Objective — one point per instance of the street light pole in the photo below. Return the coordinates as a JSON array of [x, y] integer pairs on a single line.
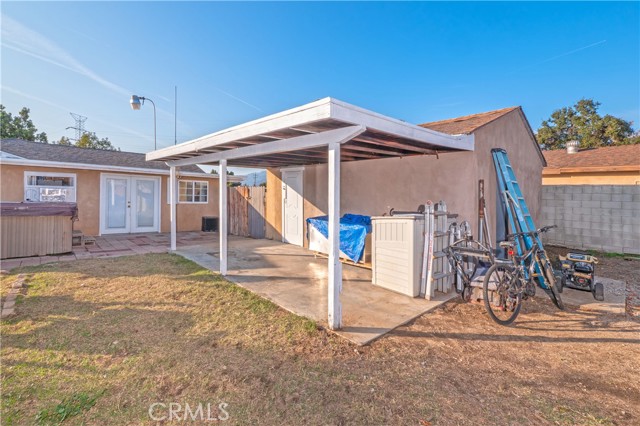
[[136, 104]]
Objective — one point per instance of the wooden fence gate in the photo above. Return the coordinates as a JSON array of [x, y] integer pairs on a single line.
[[246, 211]]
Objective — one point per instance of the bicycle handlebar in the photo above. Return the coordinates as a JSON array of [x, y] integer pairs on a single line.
[[538, 231]]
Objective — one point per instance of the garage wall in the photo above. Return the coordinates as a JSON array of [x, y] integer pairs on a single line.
[[273, 205], [88, 198], [598, 217], [372, 187], [511, 132]]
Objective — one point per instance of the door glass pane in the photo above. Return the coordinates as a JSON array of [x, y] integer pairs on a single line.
[[145, 202], [116, 203]]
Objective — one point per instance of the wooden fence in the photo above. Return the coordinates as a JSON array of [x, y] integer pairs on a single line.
[[246, 211]]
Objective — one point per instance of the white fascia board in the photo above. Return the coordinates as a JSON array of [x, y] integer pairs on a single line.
[[83, 166], [313, 140], [326, 108], [313, 111], [343, 111], [4, 155]]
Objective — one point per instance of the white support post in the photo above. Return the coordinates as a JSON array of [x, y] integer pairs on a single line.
[[222, 174], [335, 267], [173, 197]]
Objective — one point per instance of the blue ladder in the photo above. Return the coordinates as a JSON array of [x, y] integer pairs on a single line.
[[518, 214]]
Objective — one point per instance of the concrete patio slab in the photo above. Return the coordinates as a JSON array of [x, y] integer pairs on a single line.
[[293, 278], [290, 276], [108, 246]]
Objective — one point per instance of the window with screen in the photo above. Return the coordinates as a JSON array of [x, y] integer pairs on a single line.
[[50, 187]]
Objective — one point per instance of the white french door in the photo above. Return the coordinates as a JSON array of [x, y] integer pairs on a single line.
[[129, 204]]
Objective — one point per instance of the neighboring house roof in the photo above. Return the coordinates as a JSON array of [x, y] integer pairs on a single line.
[[467, 124], [71, 154], [611, 158]]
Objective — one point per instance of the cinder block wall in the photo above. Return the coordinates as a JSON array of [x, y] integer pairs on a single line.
[[599, 217]]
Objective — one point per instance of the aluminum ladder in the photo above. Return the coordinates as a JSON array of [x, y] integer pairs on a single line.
[[436, 270], [518, 214]]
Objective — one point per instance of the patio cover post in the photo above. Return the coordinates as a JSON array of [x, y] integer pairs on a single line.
[[223, 216], [335, 267], [173, 196]]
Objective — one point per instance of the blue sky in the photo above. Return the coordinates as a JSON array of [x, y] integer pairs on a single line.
[[233, 62]]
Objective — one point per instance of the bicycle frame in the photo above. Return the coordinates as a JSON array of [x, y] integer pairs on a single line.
[[483, 253], [455, 254], [533, 270]]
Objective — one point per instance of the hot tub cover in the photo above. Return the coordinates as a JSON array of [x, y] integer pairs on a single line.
[[39, 209], [353, 230]]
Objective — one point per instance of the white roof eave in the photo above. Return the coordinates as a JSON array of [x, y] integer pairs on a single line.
[[326, 108], [105, 168]]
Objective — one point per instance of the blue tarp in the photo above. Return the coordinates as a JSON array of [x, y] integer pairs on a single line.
[[353, 230]]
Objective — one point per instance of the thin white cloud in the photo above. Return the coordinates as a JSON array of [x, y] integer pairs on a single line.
[[164, 98], [562, 55], [64, 108], [238, 99], [35, 98], [19, 38]]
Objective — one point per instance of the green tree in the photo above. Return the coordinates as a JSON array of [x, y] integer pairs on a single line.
[[582, 122], [635, 138], [65, 141], [91, 140], [20, 126], [215, 172]]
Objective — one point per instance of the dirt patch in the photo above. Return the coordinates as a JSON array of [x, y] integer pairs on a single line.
[[125, 333]]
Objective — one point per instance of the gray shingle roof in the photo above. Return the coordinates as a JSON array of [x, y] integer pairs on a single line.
[[72, 154]]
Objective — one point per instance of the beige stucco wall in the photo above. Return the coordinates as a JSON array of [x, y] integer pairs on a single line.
[[372, 187], [597, 178], [510, 132], [88, 197], [273, 205]]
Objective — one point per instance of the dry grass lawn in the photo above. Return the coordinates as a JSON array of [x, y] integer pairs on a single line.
[[97, 342]]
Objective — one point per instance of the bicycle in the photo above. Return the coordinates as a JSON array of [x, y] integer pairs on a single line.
[[509, 282], [464, 256]]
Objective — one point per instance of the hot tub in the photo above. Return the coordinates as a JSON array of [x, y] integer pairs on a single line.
[[36, 229]]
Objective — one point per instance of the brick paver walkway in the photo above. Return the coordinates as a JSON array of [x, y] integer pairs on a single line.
[[117, 245]]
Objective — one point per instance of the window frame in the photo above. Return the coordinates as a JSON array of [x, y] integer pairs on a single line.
[[186, 181], [31, 173]]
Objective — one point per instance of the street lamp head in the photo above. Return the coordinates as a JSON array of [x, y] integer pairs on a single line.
[[135, 102]]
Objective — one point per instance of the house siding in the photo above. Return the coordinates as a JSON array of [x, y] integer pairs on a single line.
[[88, 197], [591, 178], [372, 187]]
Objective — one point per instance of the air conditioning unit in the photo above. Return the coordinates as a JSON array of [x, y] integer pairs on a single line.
[[31, 194], [50, 194]]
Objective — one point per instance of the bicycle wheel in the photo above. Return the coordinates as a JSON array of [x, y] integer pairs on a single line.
[[553, 287], [502, 297]]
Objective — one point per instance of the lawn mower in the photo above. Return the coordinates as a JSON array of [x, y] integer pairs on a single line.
[[578, 272]]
